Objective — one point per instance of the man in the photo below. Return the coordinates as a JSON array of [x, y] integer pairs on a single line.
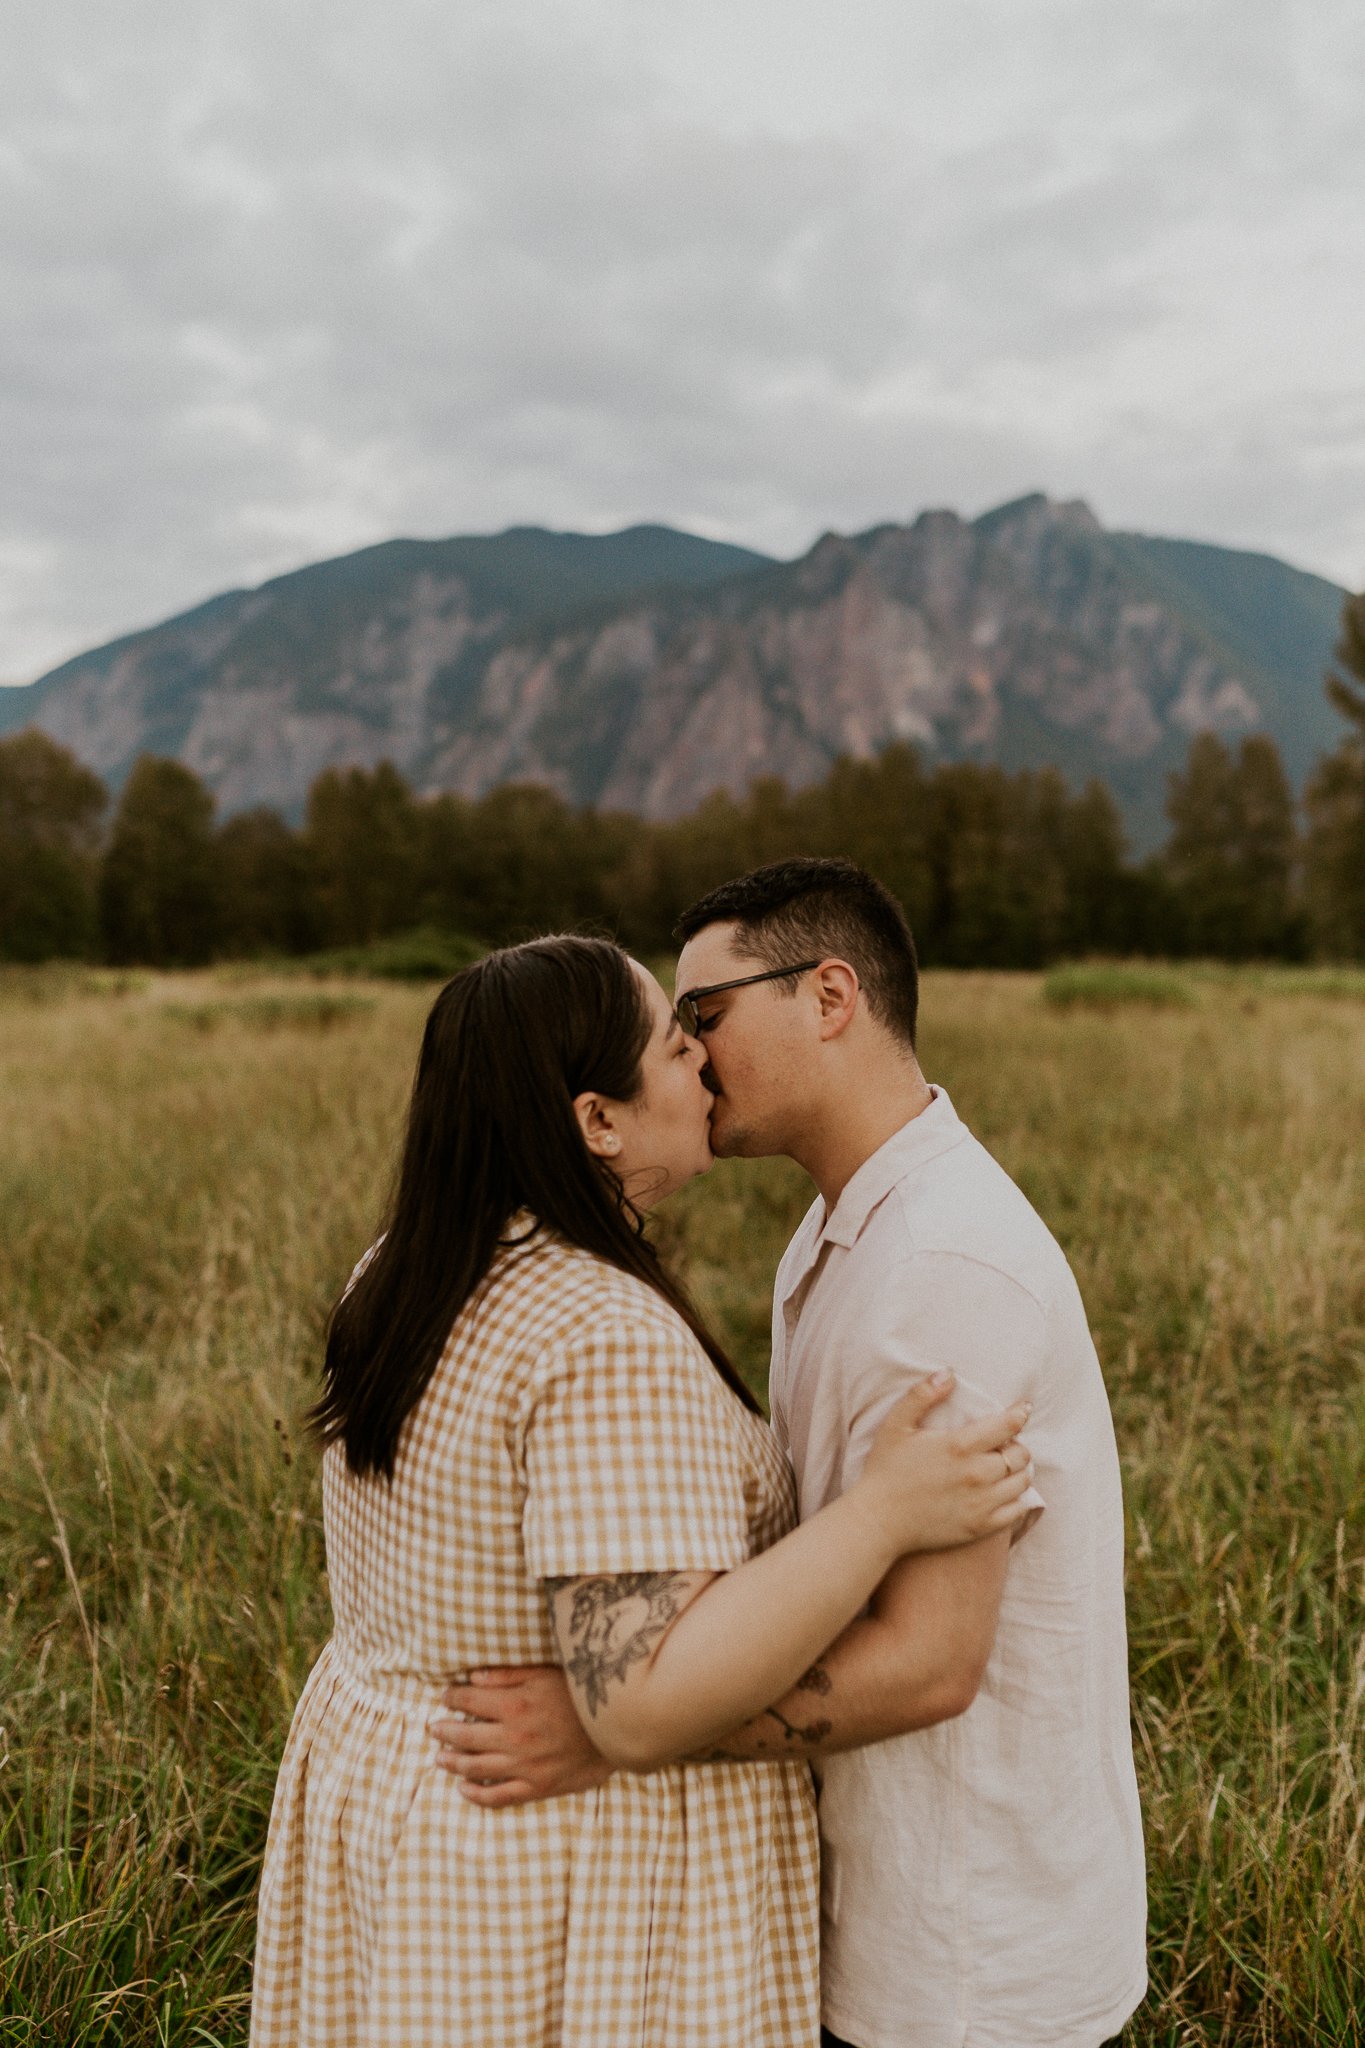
[[983, 1881]]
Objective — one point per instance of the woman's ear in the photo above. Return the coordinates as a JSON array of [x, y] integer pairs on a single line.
[[594, 1113]]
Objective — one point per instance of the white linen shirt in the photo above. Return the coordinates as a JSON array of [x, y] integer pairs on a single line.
[[983, 1880]]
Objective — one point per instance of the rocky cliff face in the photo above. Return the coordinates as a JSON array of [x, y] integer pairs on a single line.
[[645, 678]]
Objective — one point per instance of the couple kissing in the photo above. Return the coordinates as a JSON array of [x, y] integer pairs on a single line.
[[603, 1633]]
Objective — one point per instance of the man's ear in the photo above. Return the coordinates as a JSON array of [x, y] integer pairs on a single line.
[[836, 985], [594, 1113]]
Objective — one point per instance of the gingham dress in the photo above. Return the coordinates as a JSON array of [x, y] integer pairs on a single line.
[[573, 1425]]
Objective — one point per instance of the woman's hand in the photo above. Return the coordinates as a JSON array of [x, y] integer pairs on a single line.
[[941, 1488]]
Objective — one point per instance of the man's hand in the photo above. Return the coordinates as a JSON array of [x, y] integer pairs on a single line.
[[523, 1741]]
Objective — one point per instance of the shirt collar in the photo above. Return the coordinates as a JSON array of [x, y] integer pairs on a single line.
[[935, 1130]]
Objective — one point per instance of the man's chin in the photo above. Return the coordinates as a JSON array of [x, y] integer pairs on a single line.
[[729, 1141]]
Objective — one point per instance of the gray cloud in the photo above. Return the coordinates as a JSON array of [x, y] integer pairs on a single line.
[[282, 280]]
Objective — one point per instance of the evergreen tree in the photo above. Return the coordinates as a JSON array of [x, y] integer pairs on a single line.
[[980, 913], [1233, 850], [877, 813], [992, 869], [1346, 688], [263, 881], [363, 842], [1334, 852], [519, 861], [1097, 897], [533, 865], [1201, 807], [670, 865], [158, 893], [451, 865], [1266, 851], [50, 810]]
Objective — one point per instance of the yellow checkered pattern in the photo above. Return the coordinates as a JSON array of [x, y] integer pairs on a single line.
[[573, 1425]]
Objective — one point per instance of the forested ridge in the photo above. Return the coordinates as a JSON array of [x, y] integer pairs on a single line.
[[644, 670], [995, 868]]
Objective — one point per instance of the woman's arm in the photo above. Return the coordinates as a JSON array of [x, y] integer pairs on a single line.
[[663, 1663], [916, 1657]]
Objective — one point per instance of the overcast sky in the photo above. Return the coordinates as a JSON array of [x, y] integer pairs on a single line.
[[279, 278]]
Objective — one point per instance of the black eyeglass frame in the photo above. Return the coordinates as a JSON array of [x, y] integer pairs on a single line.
[[686, 1005]]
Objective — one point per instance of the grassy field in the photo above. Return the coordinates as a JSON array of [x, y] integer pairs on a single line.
[[190, 1164]]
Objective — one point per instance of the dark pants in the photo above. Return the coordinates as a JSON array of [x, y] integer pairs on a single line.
[[828, 2040]]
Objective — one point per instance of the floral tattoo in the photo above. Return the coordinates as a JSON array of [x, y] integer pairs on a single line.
[[615, 1621]]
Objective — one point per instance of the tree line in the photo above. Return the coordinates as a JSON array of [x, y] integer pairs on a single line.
[[994, 869]]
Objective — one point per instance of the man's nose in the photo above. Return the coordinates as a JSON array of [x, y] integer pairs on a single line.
[[708, 1075]]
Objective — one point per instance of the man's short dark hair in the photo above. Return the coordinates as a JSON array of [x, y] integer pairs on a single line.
[[794, 909]]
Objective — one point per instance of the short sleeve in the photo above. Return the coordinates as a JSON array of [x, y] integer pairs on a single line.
[[634, 1457], [969, 1319]]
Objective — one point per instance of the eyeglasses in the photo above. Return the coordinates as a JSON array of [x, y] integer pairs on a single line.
[[688, 1014]]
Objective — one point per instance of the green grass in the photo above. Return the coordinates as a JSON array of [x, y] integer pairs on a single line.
[[1110, 984], [181, 1205], [1104, 985], [422, 955], [1272, 980], [58, 980], [273, 1012]]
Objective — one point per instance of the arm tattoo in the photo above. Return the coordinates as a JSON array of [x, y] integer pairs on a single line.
[[796, 1737], [817, 1679], [615, 1621], [792, 1738]]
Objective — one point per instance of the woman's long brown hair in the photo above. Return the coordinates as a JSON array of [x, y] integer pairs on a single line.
[[491, 1129]]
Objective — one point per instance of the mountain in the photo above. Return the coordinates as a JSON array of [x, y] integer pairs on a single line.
[[643, 669], [345, 661]]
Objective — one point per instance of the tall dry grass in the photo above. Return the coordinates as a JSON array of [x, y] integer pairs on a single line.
[[188, 1168]]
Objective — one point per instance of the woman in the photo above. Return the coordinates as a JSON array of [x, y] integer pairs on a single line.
[[537, 1453]]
